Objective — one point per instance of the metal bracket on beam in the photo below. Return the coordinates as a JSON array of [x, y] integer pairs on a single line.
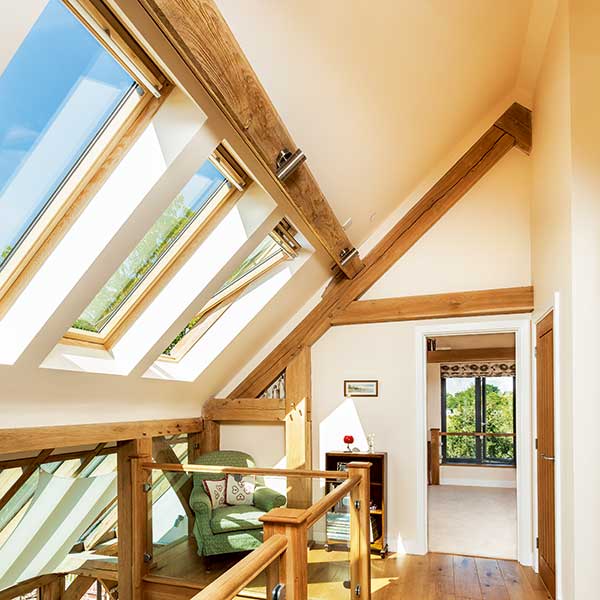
[[287, 163], [347, 254]]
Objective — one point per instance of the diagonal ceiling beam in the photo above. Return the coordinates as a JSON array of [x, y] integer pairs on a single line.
[[438, 306], [452, 186], [199, 33]]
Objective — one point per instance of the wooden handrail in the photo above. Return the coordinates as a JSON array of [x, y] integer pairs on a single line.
[[270, 472], [313, 513], [233, 581]]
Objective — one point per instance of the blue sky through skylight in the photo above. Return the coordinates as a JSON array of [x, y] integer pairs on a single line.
[[57, 92]]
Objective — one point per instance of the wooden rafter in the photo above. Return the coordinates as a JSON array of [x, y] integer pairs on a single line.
[[438, 306], [25, 439], [244, 409], [79, 586], [461, 177], [89, 458], [181, 483], [201, 36], [470, 354], [28, 471]]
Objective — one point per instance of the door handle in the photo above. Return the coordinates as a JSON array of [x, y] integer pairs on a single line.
[[550, 458]]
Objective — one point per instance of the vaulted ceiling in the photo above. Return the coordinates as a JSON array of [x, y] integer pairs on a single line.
[[375, 98]]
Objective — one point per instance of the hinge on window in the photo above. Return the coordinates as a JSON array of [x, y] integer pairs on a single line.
[[536, 443], [537, 542], [535, 351]]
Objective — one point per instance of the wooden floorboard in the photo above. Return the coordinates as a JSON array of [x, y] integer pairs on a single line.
[[397, 577]]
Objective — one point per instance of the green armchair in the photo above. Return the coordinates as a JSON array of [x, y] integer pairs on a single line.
[[229, 528]]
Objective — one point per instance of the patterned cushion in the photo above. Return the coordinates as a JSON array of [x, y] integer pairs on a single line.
[[215, 490], [235, 518], [240, 490]]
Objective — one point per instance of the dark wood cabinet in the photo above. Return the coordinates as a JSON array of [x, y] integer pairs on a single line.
[[338, 520]]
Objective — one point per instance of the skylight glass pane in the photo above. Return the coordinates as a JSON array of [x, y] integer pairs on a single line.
[[56, 95], [153, 246], [263, 252], [266, 250]]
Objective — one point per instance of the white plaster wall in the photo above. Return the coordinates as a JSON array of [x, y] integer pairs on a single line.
[[482, 243]]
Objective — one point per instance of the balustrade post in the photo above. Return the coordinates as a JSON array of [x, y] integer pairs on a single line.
[[360, 531], [292, 567], [135, 516], [435, 456]]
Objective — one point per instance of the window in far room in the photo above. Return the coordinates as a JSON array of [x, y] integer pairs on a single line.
[[478, 404]]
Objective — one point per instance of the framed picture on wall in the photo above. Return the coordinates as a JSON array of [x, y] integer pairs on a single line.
[[361, 388]]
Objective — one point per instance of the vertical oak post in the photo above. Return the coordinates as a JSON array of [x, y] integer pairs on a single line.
[[293, 564], [134, 516], [211, 437], [298, 427], [435, 457], [360, 532], [194, 445]]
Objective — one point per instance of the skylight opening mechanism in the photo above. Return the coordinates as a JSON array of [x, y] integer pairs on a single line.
[[106, 38], [287, 162]]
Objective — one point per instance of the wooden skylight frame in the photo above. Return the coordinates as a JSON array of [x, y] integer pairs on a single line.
[[221, 301], [120, 133], [168, 264]]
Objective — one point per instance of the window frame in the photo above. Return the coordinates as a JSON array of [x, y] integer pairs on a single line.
[[92, 169], [227, 296], [160, 273], [481, 458]]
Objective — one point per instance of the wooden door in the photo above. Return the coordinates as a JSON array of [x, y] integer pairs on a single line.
[[545, 451]]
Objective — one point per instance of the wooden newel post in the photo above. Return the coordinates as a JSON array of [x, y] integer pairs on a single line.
[[135, 516], [360, 532], [435, 456], [292, 567]]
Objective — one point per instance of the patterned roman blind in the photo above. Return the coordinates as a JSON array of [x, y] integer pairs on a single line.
[[478, 369]]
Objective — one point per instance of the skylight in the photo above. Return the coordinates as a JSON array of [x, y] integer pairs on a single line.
[[207, 183], [262, 259], [57, 95]]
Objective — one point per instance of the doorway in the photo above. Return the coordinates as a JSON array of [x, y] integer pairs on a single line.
[[521, 329], [545, 451], [472, 419]]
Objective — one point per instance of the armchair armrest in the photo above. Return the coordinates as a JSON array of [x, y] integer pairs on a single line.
[[266, 499], [200, 503]]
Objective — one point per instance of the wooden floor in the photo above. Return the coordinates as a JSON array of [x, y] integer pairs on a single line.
[[430, 577]]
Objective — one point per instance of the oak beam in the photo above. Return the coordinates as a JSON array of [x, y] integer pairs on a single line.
[[258, 410], [201, 36], [211, 437], [27, 586], [438, 306], [134, 518], [516, 121], [181, 483], [449, 189], [25, 439], [28, 471], [470, 354], [298, 427], [79, 586]]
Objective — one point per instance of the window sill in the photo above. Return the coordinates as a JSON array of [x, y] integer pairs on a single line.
[[481, 465]]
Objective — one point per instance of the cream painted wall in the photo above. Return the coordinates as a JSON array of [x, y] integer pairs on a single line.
[[482, 243], [585, 245], [551, 248], [441, 261]]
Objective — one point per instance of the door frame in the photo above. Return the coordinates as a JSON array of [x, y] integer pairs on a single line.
[[537, 317], [521, 327]]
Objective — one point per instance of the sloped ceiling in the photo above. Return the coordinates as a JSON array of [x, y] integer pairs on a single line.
[[375, 93], [375, 98]]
